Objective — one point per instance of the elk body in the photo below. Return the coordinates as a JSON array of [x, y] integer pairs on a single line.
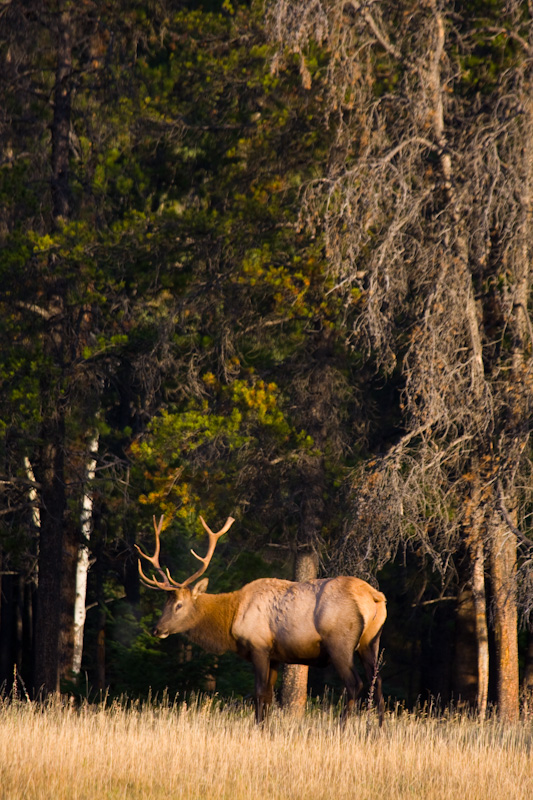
[[271, 622]]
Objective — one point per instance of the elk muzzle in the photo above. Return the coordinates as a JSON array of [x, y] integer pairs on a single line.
[[159, 631]]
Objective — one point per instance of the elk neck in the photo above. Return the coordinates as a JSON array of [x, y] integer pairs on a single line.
[[213, 622]]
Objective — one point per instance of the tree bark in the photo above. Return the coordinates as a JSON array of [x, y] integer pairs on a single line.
[[53, 509], [527, 683], [60, 180], [514, 440], [82, 565], [6, 625], [465, 667], [56, 549], [475, 530], [482, 634], [101, 629], [502, 544], [68, 598], [294, 687]]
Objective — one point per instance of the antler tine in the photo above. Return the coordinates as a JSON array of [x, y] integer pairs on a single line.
[[157, 530], [168, 584], [152, 583], [213, 539]]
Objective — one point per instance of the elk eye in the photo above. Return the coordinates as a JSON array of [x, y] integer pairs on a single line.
[[178, 605]]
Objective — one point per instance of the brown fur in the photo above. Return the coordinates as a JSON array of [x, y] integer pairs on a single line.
[[273, 621]]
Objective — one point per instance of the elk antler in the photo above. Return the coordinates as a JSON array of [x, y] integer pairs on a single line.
[[168, 583], [153, 583]]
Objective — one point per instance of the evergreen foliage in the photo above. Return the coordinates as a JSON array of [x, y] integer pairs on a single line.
[[229, 272]]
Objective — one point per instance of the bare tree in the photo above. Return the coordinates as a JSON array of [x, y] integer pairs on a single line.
[[426, 218]]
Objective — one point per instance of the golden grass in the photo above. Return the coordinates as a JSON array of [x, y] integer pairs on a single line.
[[208, 753]]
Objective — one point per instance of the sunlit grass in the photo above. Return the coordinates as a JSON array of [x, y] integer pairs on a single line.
[[132, 751]]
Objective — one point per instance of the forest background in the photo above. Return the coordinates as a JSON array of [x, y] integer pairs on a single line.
[[270, 260]]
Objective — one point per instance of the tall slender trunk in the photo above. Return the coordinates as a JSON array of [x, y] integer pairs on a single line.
[[502, 543], [68, 597], [294, 688], [514, 440], [33, 496], [475, 526], [6, 624], [464, 668], [53, 509], [28, 664], [60, 180], [482, 634], [527, 683], [101, 628], [52, 604], [82, 567]]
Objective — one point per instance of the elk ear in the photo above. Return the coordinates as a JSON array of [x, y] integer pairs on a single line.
[[200, 588]]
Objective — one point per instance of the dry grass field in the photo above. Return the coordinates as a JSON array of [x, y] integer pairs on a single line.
[[204, 752]]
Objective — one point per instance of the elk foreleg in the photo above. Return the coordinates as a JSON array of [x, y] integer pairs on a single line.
[[272, 678], [266, 673]]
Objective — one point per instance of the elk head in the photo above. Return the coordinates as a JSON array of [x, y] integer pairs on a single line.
[[179, 613]]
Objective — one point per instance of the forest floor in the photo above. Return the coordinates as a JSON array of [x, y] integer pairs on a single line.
[[202, 751]]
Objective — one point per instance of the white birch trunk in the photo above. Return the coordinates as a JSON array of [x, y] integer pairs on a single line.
[[86, 519], [35, 512]]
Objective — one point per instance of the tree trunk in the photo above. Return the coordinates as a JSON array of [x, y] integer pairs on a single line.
[[60, 181], [100, 653], [53, 508], [527, 683], [101, 624], [28, 633], [514, 441], [502, 544], [482, 634], [475, 529], [68, 599], [294, 688], [28, 665], [56, 550], [6, 626], [465, 662], [82, 566]]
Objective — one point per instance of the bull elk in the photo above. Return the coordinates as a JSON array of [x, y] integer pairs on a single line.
[[271, 621]]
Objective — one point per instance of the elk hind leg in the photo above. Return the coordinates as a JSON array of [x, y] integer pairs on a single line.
[[369, 655], [342, 658]]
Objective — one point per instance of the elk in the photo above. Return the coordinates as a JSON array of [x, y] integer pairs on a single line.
[[271, 621]]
